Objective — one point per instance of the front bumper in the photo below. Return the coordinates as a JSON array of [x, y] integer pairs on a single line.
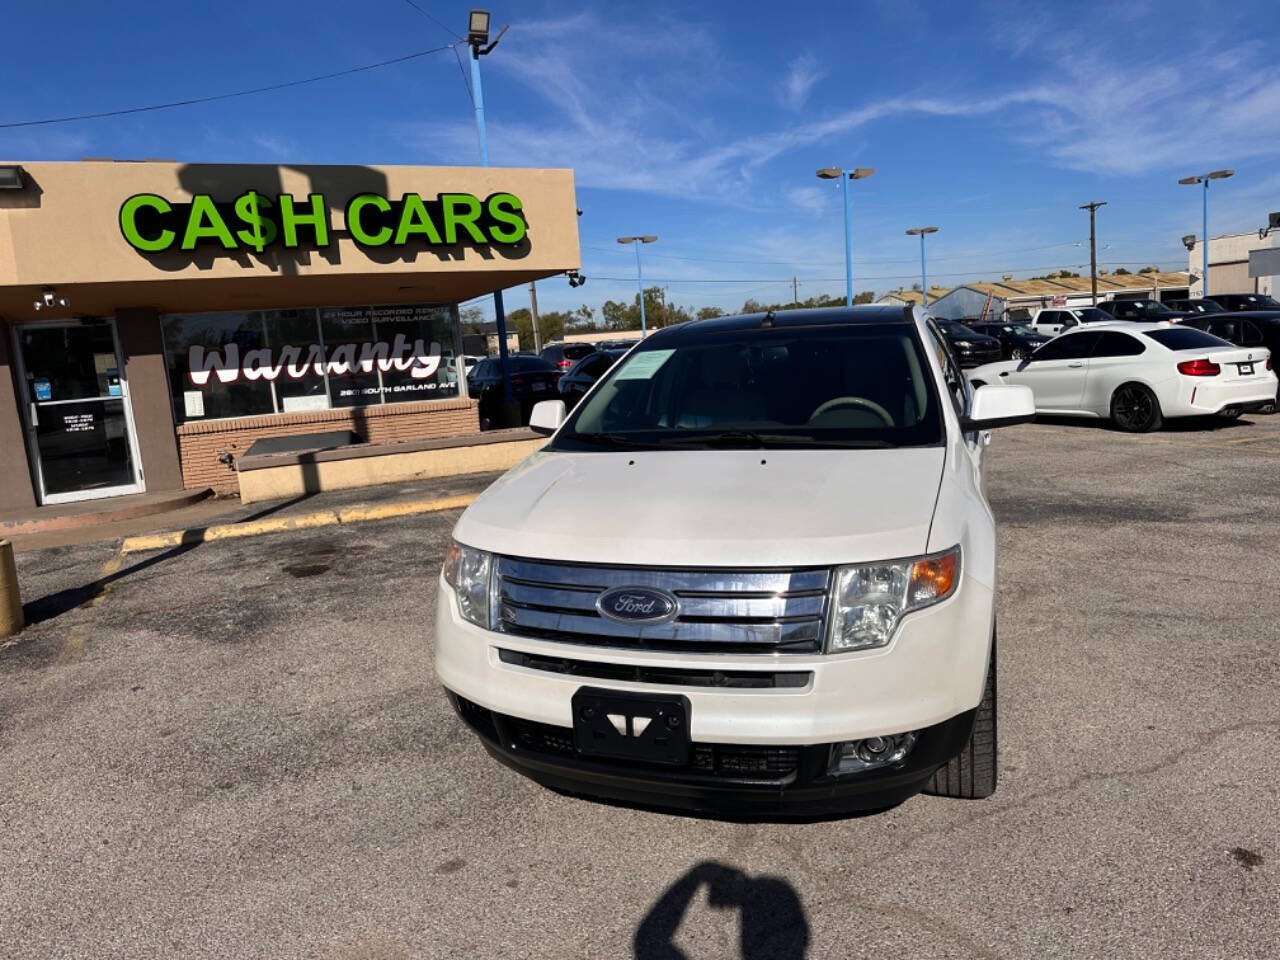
[[971, 357], [726, 778], [929, 678]]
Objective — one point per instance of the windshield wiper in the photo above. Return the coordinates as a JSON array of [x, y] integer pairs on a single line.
[[752, 438], [614, 440]]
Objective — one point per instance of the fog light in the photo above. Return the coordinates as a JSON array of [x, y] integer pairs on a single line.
[[854, 756]]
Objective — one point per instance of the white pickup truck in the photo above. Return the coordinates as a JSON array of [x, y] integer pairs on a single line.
[[753, 571]]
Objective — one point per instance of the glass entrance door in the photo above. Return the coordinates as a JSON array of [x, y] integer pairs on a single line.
[[77, 410]]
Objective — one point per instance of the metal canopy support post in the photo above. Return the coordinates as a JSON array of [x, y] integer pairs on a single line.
[[477, 93]]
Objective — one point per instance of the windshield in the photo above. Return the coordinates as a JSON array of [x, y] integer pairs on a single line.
[[953, 329], [1019, 330], [1186, 338], [1092, 315], [847, 385]]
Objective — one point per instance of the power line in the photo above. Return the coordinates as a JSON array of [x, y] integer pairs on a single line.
[[967, 256], [432, 18], [466, 81], [223, 96]]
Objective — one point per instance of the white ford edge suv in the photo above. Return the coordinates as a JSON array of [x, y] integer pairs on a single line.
[[753, 571]]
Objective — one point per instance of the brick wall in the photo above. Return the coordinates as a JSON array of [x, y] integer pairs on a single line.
[[200, 443]]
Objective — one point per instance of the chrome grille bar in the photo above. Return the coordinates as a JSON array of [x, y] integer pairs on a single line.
[[765, 611]]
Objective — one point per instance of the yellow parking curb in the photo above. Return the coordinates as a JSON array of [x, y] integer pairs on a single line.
[[307, 521]]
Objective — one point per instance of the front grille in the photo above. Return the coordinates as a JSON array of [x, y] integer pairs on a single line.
[[721, 611], [674, 676]]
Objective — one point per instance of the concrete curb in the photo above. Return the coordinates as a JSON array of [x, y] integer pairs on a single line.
[[308, 521]]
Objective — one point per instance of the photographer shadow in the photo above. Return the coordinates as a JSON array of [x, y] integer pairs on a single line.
[[772, 924]]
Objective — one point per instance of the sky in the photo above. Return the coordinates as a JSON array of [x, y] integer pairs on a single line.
[[704, 123]]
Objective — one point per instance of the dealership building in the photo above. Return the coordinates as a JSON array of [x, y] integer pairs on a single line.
[[157, 319]]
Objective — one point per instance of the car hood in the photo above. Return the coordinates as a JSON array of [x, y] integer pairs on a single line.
[[722, 508]]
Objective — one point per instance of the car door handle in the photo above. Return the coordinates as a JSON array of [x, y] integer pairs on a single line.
[[1076, 363]]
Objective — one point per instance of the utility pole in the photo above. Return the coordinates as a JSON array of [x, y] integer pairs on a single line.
[[795, 295], [533, 313], [1093, 245]]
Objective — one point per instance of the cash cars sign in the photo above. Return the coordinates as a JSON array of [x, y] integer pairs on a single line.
[[255, 221]]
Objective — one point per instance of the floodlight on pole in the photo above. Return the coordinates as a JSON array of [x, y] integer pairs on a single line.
[[844, 176], [636, 241], [922, 232], [1204, 178]]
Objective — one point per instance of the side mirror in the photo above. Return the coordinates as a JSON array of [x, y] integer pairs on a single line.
[[548, 415], [999, 405]]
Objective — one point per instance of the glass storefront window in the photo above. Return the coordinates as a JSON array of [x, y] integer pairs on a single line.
[[282, 361]]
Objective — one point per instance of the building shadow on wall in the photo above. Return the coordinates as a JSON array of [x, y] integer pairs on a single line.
[[772, 923]]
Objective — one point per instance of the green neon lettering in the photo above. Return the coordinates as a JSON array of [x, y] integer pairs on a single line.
[[357, 230], [260, 230], [129, 228], [508, 225], [317, 219], [414, 219], [467, 218], [205, 222]]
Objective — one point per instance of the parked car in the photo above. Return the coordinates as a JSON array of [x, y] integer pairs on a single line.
[[971, 348], [1191, 308], [586, 372], [1050, 321], [1253, 329], [1140, 310], [565, 355], [1245, 301], [1139, 374], [616, 344], [1017, 340], [811, 635], [532, 379]]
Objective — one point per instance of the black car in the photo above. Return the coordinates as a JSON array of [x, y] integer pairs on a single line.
[[1259, 328], [972, 349], [1192, 307], [532, 379], [584, 373], [1244, 301], [1017, 340], [1141, 310], [565, 355]]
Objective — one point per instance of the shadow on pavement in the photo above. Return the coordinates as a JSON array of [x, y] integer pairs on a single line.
[[772, 924], [63, 601]]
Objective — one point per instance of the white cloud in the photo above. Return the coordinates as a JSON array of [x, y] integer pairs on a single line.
[[802, 74]]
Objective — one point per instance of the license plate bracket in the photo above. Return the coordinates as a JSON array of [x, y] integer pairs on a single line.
[[651, 728], [1246, 369]]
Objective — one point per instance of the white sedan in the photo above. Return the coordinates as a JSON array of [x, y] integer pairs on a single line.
[[1139, 374]]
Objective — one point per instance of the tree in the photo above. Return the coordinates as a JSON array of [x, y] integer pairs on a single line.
[[709, 313], [471, 319], [1151, 269], [1121, 272]]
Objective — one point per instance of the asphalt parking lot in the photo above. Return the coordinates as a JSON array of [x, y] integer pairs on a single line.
[[239, 750]]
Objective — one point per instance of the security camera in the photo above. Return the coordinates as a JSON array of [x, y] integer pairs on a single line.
[[576, 279], [1189, 241], [49, 299]]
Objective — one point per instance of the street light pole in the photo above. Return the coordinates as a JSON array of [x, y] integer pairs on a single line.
[[478, 39], [1192, 181], [635, 242], [1093, 246], [924, 278], [844, 176]]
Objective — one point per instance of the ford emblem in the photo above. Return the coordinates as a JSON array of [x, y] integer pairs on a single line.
[[637, 605]]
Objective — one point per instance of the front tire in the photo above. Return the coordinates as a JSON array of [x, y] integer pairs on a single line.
[[1135, 409], [971, 774]]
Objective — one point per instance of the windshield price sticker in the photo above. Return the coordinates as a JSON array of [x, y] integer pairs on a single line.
[[642, 366]]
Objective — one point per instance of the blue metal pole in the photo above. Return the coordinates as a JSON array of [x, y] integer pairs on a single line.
[[477, 93], [1204, 283], [644, 329], [924, 279], [848, 252]]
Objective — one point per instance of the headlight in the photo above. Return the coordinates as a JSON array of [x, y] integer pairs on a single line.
[[871, 598], [467, 569], [962, 343]]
